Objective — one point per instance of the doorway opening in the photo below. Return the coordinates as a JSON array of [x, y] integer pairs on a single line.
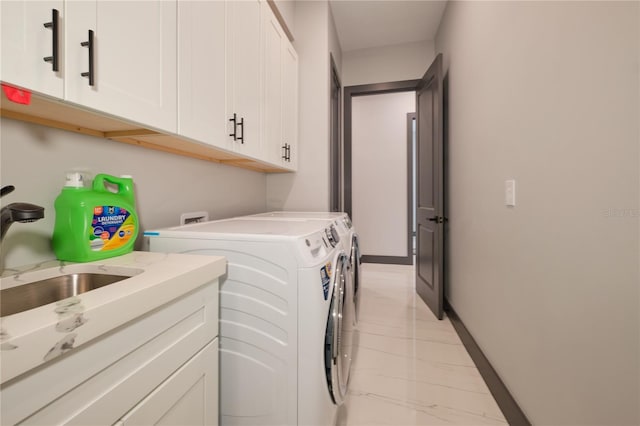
[[378, 161], [425, 208]]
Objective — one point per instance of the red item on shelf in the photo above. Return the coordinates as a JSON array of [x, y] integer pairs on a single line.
[[16, 95]]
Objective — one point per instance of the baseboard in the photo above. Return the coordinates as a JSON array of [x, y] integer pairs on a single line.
[[393, 260], [509, 407]]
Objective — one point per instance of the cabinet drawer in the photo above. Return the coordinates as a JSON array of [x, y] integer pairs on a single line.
[[100, 381]]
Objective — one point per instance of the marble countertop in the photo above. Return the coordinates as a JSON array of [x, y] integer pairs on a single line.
[[37, 336]]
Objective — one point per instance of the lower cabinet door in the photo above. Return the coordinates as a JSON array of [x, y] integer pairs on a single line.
[[188, 397]]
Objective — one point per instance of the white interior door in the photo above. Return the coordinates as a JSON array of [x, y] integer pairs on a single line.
[[379, 173]]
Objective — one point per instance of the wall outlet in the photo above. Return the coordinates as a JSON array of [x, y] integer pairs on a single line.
[[193, 217]]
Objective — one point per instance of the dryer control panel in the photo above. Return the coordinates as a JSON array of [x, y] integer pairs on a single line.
[[313, 247]]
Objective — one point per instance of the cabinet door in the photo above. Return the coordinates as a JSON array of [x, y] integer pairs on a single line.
[[290, 103], [188, 397], [280, 94], [26, 42], [134, 59], [201, 72], [273, 84], [243, 72]]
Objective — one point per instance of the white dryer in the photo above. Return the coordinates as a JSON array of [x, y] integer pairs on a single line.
[[346, 234], [285, 328]]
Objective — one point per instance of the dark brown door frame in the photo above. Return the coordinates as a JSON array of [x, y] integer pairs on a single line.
[[364, 90], [411, 160], [335, 148]]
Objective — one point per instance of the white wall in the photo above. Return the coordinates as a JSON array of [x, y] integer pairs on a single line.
[[308, 189], [379, 172], [34, 159], [334, 44], [383, 64], [546, 93]]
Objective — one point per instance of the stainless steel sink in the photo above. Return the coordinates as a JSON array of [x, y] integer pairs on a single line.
[[38, 293]]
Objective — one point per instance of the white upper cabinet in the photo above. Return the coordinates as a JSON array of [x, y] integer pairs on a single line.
[[219, 73], [280, 94], [121, 59], [201, 72], [273, 83], [244, 76], [29, 33], [290, 103]]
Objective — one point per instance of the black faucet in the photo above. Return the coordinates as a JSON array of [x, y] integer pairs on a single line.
[[17, 212]]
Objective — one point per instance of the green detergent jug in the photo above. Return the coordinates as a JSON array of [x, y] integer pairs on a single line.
[[95, 223]]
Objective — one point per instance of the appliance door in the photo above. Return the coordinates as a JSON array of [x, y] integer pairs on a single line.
[[355, 261], [339, 331]]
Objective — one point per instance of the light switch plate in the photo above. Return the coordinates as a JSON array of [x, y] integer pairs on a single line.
[[510, 192]]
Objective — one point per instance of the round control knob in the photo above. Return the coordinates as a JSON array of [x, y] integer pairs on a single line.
[[330, 236]]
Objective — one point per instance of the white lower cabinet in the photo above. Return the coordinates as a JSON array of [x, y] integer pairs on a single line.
[[181, 399], [159, 369]]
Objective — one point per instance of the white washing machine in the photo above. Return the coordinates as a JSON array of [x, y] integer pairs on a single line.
[[285, 328], [346, 233]]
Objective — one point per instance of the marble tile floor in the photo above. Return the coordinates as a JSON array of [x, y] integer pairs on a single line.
[[410, 368]]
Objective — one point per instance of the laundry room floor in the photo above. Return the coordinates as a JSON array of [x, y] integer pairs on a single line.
[[410, 368]]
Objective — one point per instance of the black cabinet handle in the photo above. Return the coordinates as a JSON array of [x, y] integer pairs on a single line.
[[235, 125], [284, 150], [54, 46], [89, 44], [288, 152], [241, 125]]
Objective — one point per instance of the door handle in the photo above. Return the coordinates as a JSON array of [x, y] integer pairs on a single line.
[[54, 45], [89, 44], [436, 219], [241, 125], [235, 126]]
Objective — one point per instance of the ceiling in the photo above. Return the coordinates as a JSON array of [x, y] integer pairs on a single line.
[[364, 24]]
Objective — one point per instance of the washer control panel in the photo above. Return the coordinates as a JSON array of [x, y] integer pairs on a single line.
[[332, 235], [347, 222]]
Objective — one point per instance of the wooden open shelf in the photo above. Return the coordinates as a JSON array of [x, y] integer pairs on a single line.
[[61, 115]]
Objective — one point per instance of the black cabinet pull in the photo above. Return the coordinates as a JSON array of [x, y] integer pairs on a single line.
[[89, 44], [288, 153], [54, 46], [241, 125], [284, 150], [235, 125]]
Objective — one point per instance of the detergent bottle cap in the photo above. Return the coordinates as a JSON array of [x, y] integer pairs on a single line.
[[74, 180]]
